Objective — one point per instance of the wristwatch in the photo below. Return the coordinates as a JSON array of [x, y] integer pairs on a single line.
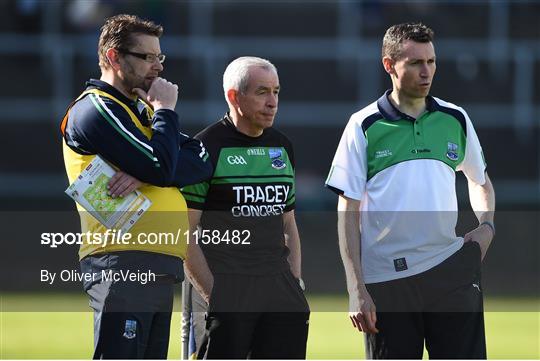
[[490, 225]]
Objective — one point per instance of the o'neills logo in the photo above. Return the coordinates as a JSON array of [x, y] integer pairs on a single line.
[[256, 151]]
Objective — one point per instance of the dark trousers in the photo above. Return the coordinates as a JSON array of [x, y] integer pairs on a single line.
[[256, 335], [442, 307], [258, 317], [132, 320]]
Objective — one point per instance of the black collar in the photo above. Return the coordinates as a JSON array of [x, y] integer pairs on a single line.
[[390, 112], [227, 120]]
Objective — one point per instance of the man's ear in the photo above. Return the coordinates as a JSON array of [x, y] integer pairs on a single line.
[[232, 96], [113, 58], [388, 65]]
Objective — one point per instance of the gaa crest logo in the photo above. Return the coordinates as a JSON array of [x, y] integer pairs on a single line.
[[275, 155], [452, 152], [130, 330]]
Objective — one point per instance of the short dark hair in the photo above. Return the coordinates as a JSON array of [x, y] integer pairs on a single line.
[[397, 34], [117, 33]]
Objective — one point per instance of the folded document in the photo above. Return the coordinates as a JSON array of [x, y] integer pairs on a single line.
[[90, 191]]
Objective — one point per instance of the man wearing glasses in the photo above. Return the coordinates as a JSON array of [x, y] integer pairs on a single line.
[[128, 119]]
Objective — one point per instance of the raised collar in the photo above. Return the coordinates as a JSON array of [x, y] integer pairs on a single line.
[[390, 112], [108, 88]]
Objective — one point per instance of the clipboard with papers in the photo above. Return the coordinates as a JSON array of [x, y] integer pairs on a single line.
[[89, 190]]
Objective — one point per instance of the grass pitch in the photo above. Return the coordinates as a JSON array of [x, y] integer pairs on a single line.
[[512, 327]]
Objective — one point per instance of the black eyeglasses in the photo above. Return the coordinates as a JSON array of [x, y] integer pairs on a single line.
[[151, 58]]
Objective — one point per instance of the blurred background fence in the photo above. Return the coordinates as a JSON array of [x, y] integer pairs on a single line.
[[328, 57]]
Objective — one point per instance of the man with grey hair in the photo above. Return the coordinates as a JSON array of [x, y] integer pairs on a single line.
[[252, 289]]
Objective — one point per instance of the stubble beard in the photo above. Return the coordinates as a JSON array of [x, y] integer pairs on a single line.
[[132, 80]]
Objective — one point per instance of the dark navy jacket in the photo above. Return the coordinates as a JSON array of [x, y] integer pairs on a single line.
[[99, 125]]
